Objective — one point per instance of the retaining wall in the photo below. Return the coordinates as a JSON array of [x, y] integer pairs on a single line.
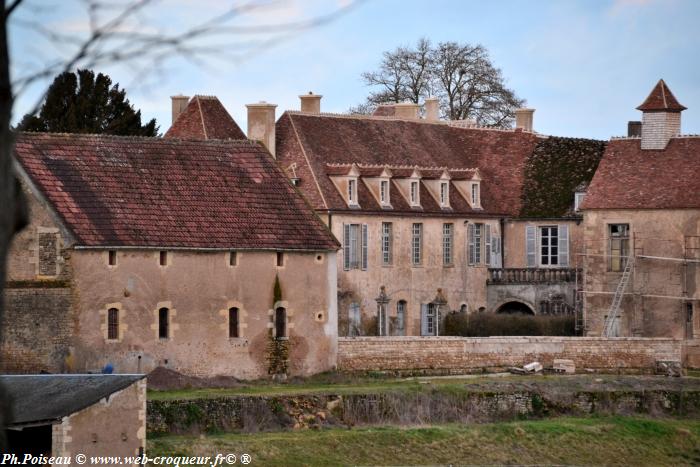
[[451, 355]]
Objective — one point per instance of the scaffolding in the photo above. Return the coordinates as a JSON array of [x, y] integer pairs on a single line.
[[634, 261]]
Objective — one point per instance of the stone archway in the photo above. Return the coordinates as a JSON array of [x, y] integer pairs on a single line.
[[515, 306]]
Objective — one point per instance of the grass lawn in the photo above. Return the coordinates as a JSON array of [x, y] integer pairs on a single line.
[[581, 441]]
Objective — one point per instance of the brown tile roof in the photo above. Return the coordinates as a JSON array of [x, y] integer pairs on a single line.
[[631, 178], [153, 192], [205, 118], [313, 141], [661, 98]]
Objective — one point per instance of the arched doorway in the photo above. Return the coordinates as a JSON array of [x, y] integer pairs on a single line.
[[514, 307]]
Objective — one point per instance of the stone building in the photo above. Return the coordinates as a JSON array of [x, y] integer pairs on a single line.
[[65, 415], [435, 216], [146, 252], [642, 229]]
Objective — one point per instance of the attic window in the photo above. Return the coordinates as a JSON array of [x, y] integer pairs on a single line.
[[476, 196], [444, 194], [578, 199], [352, 191], [384, 191], [415, 195]]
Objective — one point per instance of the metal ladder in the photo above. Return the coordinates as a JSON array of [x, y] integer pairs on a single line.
[[617, 299]]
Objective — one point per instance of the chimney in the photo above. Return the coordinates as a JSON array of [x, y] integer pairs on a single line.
[[406, 110], [634, 129], [432, 109], [261, 124], [179, 103], [311, 103], [523, 119], [661, 117]]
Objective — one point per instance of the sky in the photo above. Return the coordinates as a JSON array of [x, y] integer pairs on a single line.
[[583, 65]]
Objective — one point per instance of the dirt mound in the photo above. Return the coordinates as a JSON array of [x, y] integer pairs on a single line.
[[164, 379]]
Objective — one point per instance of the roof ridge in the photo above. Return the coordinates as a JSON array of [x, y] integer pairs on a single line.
[[169, 140], [389, 166]]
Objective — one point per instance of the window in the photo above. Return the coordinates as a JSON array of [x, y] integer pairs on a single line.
[[280, 323], [112, 258], [163, 258], [578, 199], [429, 319], [415, 195], [163, 323], [416, 244], [355, 238], [463, 308], [352, 191], [475, 233], [476, 201], [384, 192], [233, 322], [354, 319], [112, 324], [280, 259], [447, 241], [619, 237], [401, 318], [549, 246], [232, 258], [387, 240], [444, 194]]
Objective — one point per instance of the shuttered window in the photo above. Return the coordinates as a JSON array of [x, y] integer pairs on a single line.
[[355, 241], [487, 244], [531, 246]]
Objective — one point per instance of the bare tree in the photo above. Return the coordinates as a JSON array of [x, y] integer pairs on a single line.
[[118, 31], [462, 76]]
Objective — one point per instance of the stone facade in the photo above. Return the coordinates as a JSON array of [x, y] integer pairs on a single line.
[[661, 297], [461, 284], [458, 354], [114, 426]]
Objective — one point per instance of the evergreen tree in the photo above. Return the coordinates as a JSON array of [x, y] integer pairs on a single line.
[[84, 103]]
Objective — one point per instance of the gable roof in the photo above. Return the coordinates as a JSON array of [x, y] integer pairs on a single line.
[[661, 99], [154, 192], [48, 398], [310, 142], [631, 178], [205, 118]]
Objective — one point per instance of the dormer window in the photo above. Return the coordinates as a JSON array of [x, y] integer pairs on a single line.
[[384, 192], [578, 199], [476, 196], [444, 194], [415, 195], [352, 191]]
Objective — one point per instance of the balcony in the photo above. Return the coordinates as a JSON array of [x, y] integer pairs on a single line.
[[531, 276]]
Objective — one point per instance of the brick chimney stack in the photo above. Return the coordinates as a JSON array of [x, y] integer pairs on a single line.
[[179, 103], [261, 124], [311, 103], [661, 117], [523, 119], [406, 110], [432, 109]]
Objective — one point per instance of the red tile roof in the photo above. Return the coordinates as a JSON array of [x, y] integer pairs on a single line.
[[310, 142], [631, 178], [153, 192], [205, 118], [661, 99]]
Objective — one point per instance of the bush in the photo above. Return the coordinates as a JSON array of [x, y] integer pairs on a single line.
[[492, 324]]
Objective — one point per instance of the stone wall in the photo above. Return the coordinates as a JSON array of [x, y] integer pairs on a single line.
[[38, 328], [446, 355]]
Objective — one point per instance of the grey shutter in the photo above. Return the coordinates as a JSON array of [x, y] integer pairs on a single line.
[[564, 245], [487, 246], [531, 245], [346, 246], [364, 247], [496, 259], [423, 320], [470, 240]]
